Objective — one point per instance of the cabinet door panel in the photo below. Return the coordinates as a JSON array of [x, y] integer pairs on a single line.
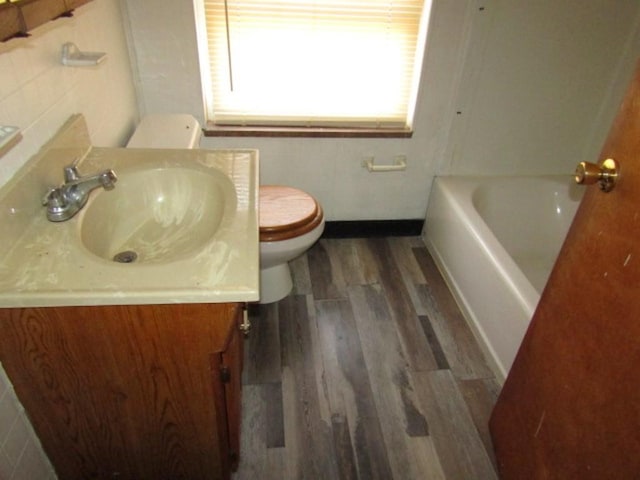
[[121, 389]]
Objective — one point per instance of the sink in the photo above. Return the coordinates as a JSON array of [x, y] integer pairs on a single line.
[[156, 216], [182, 225]]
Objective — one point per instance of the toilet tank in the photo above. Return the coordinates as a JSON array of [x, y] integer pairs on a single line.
[[166, 131]]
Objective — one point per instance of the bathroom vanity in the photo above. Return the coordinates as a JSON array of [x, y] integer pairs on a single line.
[[131, 369], [130, 391]]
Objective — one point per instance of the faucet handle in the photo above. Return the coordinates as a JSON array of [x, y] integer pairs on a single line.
[[71, 173], [108, 178], [53, 199]]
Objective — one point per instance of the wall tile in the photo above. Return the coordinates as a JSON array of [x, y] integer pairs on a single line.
[[21, 455], [33, 464], [6, 467], [38, 93], [8, 415], [17, 439]]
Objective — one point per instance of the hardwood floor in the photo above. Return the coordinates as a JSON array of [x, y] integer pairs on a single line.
[[367, 370]]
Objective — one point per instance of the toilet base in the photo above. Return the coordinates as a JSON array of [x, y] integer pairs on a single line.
[[275, 283]]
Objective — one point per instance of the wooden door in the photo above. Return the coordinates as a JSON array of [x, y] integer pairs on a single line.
[[570, 407]]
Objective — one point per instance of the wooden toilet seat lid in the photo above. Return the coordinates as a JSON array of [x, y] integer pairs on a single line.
[[286, 212]]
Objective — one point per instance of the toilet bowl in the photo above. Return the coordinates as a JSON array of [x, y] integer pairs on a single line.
[[290, 219], [290, 222]]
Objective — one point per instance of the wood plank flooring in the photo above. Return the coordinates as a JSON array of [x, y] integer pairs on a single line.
[[367, 370]]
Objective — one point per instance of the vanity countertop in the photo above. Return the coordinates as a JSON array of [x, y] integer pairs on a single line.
[[45, 263]]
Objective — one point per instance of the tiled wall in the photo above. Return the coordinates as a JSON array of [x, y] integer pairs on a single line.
[[38, 94], [21, 456]]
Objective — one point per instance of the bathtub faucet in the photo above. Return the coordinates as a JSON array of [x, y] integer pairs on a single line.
[[66, 200]]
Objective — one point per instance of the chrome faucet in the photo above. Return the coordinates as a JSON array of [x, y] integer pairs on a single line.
[[65, 201]]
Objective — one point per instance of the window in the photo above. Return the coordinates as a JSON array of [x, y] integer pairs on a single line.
[[306, 63]]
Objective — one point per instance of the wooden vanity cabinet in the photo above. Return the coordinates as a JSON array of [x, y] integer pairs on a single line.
[[130, 392]]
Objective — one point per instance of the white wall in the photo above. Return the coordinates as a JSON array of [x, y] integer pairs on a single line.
[[38, 94], [536, 89], [541, 84]]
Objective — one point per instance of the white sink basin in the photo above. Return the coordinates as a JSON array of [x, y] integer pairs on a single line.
[[156, 216], [189, 216]]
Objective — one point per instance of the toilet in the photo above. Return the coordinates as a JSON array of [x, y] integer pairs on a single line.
[[291, 220]]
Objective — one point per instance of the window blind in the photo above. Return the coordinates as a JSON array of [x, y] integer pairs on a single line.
[[333, 63]]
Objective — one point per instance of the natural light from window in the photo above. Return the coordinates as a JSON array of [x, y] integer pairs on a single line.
[[351, 63]]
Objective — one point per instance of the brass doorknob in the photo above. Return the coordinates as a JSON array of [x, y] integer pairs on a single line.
[[605, 174]]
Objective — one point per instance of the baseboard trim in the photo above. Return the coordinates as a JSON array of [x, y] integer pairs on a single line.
[[373, 228]]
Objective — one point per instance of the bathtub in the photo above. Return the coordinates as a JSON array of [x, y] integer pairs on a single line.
[[495, 240]]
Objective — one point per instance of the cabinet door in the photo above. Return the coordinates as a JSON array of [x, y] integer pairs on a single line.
[[232, 361], [122, 391]]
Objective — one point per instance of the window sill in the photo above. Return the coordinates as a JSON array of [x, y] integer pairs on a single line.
[[212, 130]]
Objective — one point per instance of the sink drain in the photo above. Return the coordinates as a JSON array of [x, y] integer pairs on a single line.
[[128, 256]]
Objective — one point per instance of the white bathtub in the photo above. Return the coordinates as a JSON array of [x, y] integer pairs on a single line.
[[495, 240]]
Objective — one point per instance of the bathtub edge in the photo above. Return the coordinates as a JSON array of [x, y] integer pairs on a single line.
[[488, 352]]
